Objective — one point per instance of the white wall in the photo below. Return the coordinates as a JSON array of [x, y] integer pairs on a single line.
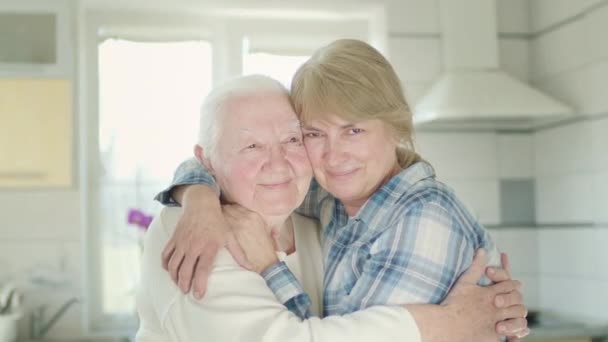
[[570, 60]]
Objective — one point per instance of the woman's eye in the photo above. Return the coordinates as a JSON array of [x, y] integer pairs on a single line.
[[354, 131], [252, 146], [311, 135]]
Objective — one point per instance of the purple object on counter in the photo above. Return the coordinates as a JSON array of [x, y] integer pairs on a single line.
[[139, 218]]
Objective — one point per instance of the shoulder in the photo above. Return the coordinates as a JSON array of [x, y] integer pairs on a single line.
[[432, 204]]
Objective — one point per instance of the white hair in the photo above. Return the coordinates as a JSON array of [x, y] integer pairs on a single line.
[[221, 95]]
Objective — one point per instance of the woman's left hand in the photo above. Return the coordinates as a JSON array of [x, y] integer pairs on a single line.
[[253, 235]]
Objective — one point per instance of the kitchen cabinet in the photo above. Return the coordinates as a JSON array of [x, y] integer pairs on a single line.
[[36, 39], [36, 133]]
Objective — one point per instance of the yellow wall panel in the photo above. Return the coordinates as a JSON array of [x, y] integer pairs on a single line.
[[36, 133]]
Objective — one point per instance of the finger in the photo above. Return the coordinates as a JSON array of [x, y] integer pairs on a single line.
[[203, 269], [497, 274], [513, 327], [167, 253], [505, 286], [476, 270], [512, 312], [276, 240], [184, 275], [506, 264], [176, 260], [237, 252], [509, 299]]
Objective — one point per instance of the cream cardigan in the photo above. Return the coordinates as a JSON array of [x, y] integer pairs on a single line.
[[238, 306]]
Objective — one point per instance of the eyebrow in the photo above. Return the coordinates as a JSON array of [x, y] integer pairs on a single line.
[[310, 128]]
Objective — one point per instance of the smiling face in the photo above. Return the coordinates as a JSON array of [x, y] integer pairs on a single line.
[[351, 160], [260, 161]]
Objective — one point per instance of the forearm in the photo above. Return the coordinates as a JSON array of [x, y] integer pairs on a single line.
[[189, 172], [287, 289], [435, 322], [196, 196]]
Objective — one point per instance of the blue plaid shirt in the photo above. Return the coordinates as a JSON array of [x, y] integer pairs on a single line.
[[408, 244]]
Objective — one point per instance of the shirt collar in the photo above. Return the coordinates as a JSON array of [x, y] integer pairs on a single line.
[[387, 195]]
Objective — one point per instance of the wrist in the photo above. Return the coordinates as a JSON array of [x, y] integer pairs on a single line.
[[199, 196], [263, 266]]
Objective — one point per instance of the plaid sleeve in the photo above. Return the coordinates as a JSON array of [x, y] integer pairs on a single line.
[[416, 260], [188, 172], [313, 201], [287, 289]]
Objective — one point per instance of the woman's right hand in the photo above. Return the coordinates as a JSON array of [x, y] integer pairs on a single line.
[[485, 313], [200, 232]]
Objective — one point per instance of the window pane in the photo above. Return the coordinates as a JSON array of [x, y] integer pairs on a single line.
[[281, 68], [149, 98]]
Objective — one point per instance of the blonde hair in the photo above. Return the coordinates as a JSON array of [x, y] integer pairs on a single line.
[[351, 79]]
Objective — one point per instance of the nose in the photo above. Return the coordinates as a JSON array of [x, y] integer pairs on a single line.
[[333, 155], [277, 160]]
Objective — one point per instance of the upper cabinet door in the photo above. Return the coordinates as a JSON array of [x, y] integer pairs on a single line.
[[36, 39]]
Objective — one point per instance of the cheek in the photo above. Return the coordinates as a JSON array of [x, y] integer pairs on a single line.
[[314, 149]]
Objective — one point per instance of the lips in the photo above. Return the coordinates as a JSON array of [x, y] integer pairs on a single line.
[[276, 185], [341, 173]]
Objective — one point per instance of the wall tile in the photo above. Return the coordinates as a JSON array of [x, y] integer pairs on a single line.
[[517, 202], [530, 289], [596, 29], [573, 298], [599, 131], [417, 60], [460, 155], [581, 88], [545, 13], [480, 197], [521, 245], [564, 199], [568, 252], [600, 198], [560, 50], [515, 156], [563, 150], [40, 215], [413, 16]]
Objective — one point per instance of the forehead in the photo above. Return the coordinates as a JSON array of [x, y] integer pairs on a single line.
[[258, 112]]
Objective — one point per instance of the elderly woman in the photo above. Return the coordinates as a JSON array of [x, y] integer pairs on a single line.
[[250, 140]]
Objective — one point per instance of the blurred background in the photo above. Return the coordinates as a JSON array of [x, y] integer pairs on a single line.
[[99, 103]]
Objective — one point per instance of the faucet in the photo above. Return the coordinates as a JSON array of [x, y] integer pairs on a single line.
[[38, 328]]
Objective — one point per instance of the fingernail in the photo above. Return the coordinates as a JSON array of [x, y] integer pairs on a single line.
[[198, 294], [491, 271], [502, 329]]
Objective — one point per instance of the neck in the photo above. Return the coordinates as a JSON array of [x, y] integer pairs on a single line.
[[275, 223]]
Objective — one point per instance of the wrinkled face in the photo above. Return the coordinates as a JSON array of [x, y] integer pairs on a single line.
[[260, 161], [351, 160]]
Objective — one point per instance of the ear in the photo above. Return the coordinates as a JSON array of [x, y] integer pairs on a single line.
[[200, 156]]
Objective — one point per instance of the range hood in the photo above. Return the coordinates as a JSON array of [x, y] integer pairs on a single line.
[[473, 92]]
